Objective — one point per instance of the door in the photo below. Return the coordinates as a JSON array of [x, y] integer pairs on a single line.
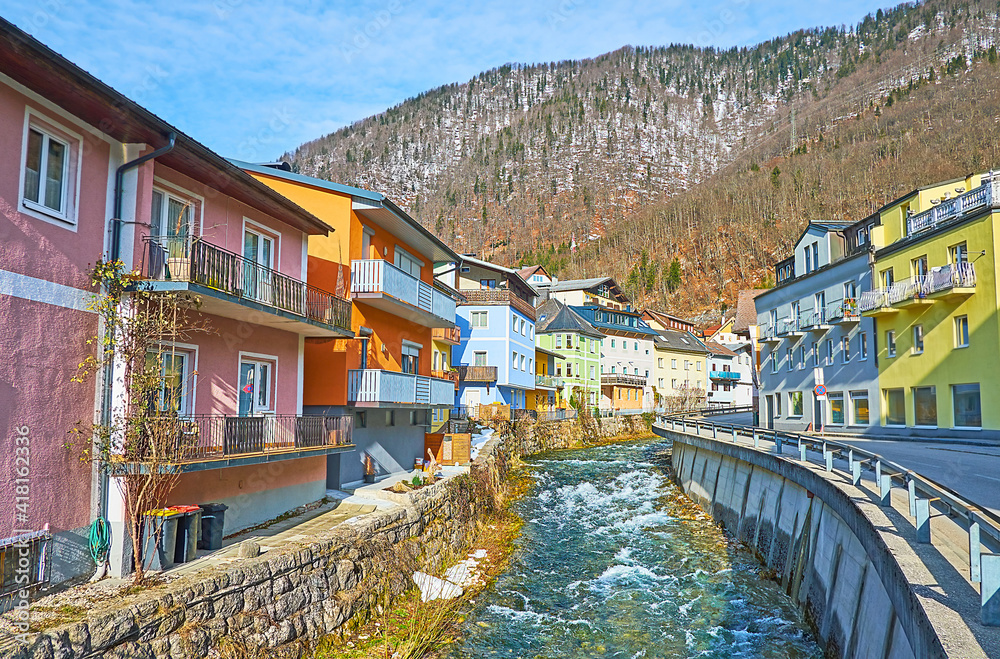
[[255, 388], [258, 262], [818, 418], [472, 398], [769, 403]]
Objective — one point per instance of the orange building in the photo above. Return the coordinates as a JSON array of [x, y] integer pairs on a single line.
[[384, 260]]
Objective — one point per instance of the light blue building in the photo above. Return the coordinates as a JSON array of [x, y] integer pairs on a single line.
[[496, 358], [813, 334]]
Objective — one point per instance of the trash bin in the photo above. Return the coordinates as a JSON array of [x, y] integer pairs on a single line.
[[188, 533], [213, 520], [158, 552]]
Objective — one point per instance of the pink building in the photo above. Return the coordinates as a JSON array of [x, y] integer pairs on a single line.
[[188, 220]]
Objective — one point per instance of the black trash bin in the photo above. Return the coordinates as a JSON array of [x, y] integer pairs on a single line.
[[158, 552], [213, 520], [188, 533]]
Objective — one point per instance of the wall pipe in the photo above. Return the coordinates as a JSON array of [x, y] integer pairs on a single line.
[[116, 218]]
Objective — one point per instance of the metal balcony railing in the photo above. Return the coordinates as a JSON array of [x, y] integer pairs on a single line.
[[381, 276], [210, 437], [194, 260], [498, 296], [724, 375], [477, 373], [871, 300], [982, 197], [955, 275], [379, 386], [846, 311]]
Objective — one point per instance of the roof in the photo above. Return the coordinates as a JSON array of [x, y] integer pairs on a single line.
[[640, 328], [583, 285], [672, 339], [660, 316], [746, 312], [717, 349], [499, 268], [550, 353], [34, 65], [373, 206], [532, 269], [554, 316], [825, 225]]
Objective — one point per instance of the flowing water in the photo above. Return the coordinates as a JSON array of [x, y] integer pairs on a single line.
[[612, 562]]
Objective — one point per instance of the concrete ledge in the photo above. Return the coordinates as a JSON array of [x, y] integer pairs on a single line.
[[833, 548]]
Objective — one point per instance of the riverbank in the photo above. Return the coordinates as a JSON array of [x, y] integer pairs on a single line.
[[283, 602]]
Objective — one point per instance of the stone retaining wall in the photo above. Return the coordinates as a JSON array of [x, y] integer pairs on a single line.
[[832, 553], [287, 598]]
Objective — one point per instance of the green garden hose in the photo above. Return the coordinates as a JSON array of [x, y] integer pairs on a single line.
[[100, 540]]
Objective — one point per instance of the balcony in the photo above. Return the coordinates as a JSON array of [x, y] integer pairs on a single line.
[[379, 388], [548, 382], [477, 373], [451, 375], [875, 303], [729, 376], [622, 379], [769, 334], [974, 200], [498, 296], [380, 284], [846, 312], [232, 286], [951, 281], [451, 335], [789, 327], [814, 321], [217, 441]]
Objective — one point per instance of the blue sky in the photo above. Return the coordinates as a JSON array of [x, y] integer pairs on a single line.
[[254, 78]]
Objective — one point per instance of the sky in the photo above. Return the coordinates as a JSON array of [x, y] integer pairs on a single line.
[[253, 79]]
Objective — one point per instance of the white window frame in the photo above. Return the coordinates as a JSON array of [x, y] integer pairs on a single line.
[[964, 319], [190, 378], [259, 358], [917, 329], [863, 346], [890, 343], [399, 254], [68, 217], [479, 314]]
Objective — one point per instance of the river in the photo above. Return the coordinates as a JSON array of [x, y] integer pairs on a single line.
[[614, 562]]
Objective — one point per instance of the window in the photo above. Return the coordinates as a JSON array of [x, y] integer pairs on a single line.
[[863, 345], [687, 365], [965, 400], [788, 358], [895, 407], [559, 369], [524, 328], [513, 324], [530, 365], [23, 560], [777, 405], [815, 247], [360, 419], [808, 261], [558, 340], [410, 363], [46, 173], [479, 358], [845, 349], [407, 263], [390, 417], [613, 370], [925, 406], [836, 408], [521, 362], [593, 346], [890, 343], [795, 403], [829, 352], [802, 357], [531, 331], [962, 332], [513, 359], [887, 278], [918, 266], [850, 291], [592, 373], [659, 362], [918, 340], [859, 408], [487, 283], [673, 383], [673, 363], [612, 343], [255, 386], [635, 345], [175, 372], [815, 354], [170, 219], [636, 371], [958, 253], [569, 341], [479, 319], [697, 366], [819, 307]]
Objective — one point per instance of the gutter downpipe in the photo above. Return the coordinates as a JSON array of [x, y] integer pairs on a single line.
[[116, 232]]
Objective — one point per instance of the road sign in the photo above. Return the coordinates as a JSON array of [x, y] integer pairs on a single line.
[[820, 391]]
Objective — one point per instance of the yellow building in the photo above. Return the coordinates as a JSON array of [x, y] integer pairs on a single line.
[[442, 341], [680, 373], [547, 395], [937, 327]]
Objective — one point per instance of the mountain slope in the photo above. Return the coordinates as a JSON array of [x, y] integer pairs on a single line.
[[523, 159]]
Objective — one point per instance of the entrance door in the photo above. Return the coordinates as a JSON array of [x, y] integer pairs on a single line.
[[255, 387], [472, 397], [818, 419], [769, 403], [258, 254]]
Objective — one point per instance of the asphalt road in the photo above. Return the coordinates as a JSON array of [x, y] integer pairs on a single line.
[[970, 470]]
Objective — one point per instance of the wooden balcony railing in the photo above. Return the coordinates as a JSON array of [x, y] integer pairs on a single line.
[[194, 260], [446, 375], [477, 373], [451, 335], [498, 296]]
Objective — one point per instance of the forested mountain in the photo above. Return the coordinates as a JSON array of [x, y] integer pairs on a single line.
[[715, 158]]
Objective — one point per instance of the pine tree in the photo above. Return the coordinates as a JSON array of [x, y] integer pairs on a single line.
[[674, 275]]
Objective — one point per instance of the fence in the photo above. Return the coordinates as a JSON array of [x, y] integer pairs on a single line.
[[983, 526]]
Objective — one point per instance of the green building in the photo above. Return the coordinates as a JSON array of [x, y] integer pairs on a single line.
[[561, 330]]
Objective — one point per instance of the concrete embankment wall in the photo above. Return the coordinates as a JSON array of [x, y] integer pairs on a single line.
[[822, 545], [284, 600]]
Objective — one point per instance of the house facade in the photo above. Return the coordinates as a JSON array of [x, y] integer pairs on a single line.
[[935, 309], [562, 330], [812, 334], [382, 376], [497, 320], [547, 395], [679, 371], [120, 184]]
